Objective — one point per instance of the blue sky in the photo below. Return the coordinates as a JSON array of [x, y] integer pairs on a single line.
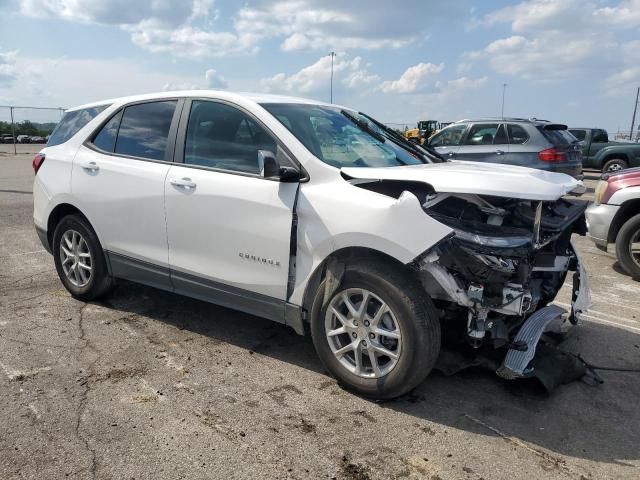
[[570, 61]]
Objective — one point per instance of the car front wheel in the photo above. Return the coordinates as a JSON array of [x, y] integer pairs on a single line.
[[378, 334], [628, 246]]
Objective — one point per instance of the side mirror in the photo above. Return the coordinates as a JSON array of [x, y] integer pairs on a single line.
[[270, 168]]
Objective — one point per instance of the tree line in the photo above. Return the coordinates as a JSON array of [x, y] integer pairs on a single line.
[[33, 129]]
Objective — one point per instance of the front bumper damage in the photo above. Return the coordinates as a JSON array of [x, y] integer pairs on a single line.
[[505, 287]]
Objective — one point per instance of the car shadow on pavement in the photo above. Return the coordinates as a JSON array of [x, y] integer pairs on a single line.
[[577, 420]]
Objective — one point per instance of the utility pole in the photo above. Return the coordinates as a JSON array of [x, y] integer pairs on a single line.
[[13, 132], [633, 120], [333, 54], [504, 89]]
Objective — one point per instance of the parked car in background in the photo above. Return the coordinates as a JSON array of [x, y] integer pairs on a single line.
[[614, 217], [597, 154], [514, 141], [24, 139], [38, 139], [315, 216], [6, 139]]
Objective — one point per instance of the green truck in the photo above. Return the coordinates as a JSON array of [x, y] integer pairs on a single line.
[[599, 153]]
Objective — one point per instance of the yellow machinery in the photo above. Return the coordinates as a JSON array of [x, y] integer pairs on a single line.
[[425, 129]]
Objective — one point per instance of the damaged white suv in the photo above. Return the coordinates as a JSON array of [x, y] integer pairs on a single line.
[[315, 216]]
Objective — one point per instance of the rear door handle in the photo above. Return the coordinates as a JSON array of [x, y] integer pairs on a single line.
[[450, 154], [91, 166], [185, 183], [499, 152]]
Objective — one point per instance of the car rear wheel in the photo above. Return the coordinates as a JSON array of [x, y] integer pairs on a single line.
[[628, 246], [79, 259], [614, 165], [378, 334]]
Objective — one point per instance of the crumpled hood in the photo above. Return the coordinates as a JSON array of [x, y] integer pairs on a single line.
[[478, 178]]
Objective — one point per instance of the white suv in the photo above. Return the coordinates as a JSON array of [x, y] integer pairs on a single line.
[[315, 216]]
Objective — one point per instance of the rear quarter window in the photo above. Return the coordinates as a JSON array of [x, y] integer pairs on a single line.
[[517, 134], [72, 123]]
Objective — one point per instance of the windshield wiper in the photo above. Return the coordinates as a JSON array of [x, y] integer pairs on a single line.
[[364, 126], [420, 150]]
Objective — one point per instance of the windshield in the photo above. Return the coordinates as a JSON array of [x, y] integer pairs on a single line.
[[341, 138]]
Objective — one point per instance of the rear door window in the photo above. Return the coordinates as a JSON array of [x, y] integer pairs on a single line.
[[72, 123], [482, 134], [144, 130], [450, 136], [517, 134]]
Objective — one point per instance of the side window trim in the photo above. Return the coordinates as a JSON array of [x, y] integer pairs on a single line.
[[171, 139], [181, 135]]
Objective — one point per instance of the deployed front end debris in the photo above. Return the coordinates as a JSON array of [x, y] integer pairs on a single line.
[[495, 277]]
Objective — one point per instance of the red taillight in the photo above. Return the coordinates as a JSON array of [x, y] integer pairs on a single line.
[[38, 160], [551, 155]]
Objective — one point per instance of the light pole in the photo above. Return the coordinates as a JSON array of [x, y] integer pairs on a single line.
[[333, 54], [504, 89], [635, 109]]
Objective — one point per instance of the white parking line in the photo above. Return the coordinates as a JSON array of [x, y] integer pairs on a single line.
[[23, 253], [593, 316]]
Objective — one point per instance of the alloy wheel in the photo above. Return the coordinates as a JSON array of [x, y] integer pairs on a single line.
[[75, 258], [363, 333], [634, 247]]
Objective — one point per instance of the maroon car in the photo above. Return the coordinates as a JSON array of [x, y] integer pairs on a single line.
[[614, 217]]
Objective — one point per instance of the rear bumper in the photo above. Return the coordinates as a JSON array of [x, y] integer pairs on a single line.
[[574, 170], [42, 235], [599, 219]]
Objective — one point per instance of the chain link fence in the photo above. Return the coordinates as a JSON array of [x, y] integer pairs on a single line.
[[22, 129]]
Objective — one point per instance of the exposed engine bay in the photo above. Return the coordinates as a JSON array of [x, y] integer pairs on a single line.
[[507, 260]]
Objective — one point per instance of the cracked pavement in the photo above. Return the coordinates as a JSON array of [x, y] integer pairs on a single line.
[[148, 384]]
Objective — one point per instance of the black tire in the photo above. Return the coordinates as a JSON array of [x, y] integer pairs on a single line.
[[415, 314], [614, 165], [99, 283], [624, 239]]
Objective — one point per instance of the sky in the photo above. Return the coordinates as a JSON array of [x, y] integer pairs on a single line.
[[570, 61]]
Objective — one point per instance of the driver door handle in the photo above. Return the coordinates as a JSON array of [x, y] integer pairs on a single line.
[[91, 166], [499, 152], [450, 154], [184, 182]]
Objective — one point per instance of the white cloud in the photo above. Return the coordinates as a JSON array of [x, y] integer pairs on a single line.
[[215, 80], [8, 70], [464, 83], [66, 82], [188, 41], [414, 78], [189, 27], [558, 39], [623, 82], [317, 76], [626, 14]]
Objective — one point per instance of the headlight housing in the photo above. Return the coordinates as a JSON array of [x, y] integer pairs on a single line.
[[601, 188]]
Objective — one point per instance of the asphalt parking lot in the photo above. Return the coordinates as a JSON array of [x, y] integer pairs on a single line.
[[152, 385]]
